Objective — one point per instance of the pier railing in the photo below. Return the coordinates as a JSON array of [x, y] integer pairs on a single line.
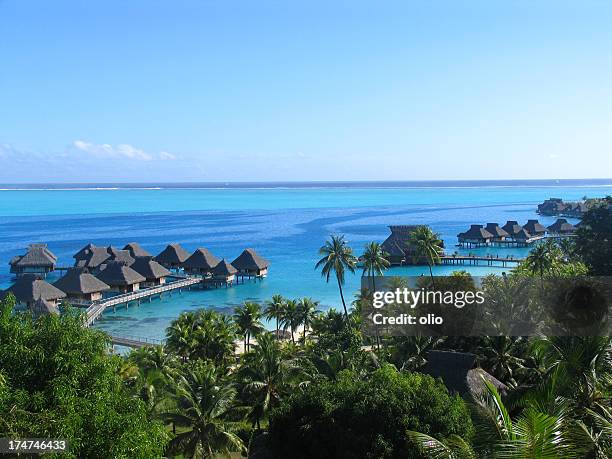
[[136, 341], [97, 308]]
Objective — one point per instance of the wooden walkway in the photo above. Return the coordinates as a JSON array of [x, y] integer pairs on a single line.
[[135, 342], [96, 309], [479, 260]]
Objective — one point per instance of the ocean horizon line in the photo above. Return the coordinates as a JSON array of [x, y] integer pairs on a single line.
[[314, 184]]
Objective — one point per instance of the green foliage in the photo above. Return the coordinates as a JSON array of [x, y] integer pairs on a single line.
[[60, 382], [369, 418], [248, 320], [593, 242]]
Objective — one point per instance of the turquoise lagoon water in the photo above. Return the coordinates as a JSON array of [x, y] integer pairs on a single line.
[[285, 224]]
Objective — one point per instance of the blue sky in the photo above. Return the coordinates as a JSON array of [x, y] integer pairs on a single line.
[[267, 91]]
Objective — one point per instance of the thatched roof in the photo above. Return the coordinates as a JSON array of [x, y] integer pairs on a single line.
[[250, 260], [534, 227], [224, 268], [118, 273], [561, 226], [512, 227], [476, 232], [123, 256], [397, 242], [78, 281], [136, 250], [42, 308], [457, 370], [30, 287], [522, 235], [37, 255], [149, 268], [172, 254], [201, 259], [496, 230], [91, 256]]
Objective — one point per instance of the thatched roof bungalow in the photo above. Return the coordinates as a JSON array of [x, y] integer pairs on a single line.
[[172, 257], [512, 228], [535, 228], [249, 263], [202, 261], [498, 233], [522, 236], [91, 257], [136, 250], [459, 372], [561, 226], [44, 307], [121, 278], [30, 288], [152, 271], [476, 235], [124, 256], [398, 245], [38, 260], [81, 287], [224, 272]]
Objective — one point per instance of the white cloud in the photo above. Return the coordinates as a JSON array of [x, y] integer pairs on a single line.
[[120, 151]]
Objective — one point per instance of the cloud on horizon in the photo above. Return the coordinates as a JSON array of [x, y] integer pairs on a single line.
[[121, 151]]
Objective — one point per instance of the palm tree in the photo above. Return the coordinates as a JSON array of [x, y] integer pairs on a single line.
[[274, 309], [180, 339], [290, 318], [306, 312], [543, 258], [427, 246], [248, 319], [337, 258], [202, 405], [502, 357], [267, 376], [375, 261]]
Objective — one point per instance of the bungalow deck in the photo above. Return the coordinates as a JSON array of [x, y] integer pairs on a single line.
[[479, 260]]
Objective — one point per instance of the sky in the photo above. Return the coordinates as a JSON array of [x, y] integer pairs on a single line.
[[171, 91]]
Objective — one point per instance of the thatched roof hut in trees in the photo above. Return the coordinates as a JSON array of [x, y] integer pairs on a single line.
[[459, 372], [81, 287], [152, 271], [512, 228], [498, 233], [91, 257], [561, 227], [475, 236], [120, 277], [43, 308], [398, 246], [202, 261], [30, 288], [249, 263], [224, 272], [136, 250], [535, 228], [37, 260], [172, 257]]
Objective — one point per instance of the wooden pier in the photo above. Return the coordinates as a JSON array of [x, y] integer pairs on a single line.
[[475, 260], [97, 308], [135, 342]]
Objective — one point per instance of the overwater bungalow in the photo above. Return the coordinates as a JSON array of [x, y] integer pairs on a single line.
[[535, 228], [136, 250], [123, 256], [512, 228], [224, 272], [121, 278], [152, 271], [172, 257], [43, 308], [476, 236], [561, 227], [38, 260], [249, 263], [522, 238], [30, 288], [498, 233], [81, 287], [91, 257], [202, 261]]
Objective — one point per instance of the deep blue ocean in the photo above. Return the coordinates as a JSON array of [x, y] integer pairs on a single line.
[[285, 223]]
